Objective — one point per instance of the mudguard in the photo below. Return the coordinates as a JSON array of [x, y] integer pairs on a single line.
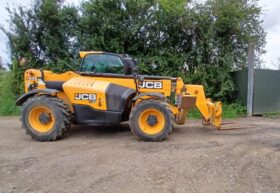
[[25, 96]]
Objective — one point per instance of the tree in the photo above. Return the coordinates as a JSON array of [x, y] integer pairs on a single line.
[[210, 38], [277, 64], [1, 64], [222, 31], [44, 34]]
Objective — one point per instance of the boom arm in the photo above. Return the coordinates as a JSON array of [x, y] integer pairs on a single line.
[[211, 112], [194, 96]]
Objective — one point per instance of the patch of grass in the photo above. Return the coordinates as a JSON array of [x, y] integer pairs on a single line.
[[194, 114], [230, 111], [7, 97], [272, 115], [234, 110]]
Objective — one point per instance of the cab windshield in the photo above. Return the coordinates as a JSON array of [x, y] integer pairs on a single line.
[[102, 63]]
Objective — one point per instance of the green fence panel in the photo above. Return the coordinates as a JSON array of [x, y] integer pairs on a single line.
[[266, 91], [266, 97]]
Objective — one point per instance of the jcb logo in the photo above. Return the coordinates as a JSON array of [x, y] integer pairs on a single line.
[[151, 84], [85, 96]]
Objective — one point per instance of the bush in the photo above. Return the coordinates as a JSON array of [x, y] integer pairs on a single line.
[[7, 97]]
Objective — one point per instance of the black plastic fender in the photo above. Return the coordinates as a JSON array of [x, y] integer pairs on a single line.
[[118, 97], [25, 96]]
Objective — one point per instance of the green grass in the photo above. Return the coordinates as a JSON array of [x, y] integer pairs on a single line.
[[272, 115], [7, 98], [230, 111]]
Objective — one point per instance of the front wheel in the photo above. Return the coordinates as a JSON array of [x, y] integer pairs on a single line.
[[151, 120], [45, 118]]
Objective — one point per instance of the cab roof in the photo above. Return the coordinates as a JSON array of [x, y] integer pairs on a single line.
[[84, 53]]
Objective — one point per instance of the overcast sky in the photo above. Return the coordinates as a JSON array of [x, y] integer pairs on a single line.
[[271, 17]]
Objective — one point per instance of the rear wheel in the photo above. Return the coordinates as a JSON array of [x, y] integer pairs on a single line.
[[151, 120], [45, 118]]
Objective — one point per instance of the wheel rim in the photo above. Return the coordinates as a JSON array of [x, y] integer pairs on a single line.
[[41, 119], [151, 121]]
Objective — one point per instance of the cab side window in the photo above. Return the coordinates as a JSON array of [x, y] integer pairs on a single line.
[[102, 63]]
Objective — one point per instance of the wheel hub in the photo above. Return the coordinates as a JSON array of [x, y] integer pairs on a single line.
[[45, 118], [152, 120]]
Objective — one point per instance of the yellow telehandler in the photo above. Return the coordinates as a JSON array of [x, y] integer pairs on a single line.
[[107, 91]]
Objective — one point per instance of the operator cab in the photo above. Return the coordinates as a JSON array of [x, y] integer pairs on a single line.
[[108, 63]]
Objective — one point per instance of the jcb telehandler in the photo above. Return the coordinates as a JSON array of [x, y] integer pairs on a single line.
[[107, 91]]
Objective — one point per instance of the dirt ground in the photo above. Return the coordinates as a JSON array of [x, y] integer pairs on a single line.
[[193, 159]]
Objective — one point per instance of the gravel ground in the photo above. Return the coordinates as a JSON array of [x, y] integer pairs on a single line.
[[243, 158]]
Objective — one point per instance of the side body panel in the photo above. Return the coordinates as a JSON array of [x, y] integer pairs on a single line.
[[86, 91], [98, 102], [159, 86]]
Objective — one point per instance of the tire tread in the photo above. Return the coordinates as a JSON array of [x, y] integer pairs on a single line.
[[59, 105]]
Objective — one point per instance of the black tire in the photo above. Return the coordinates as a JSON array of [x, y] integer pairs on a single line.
[[160, 106], [59, 110], [172, 119]]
